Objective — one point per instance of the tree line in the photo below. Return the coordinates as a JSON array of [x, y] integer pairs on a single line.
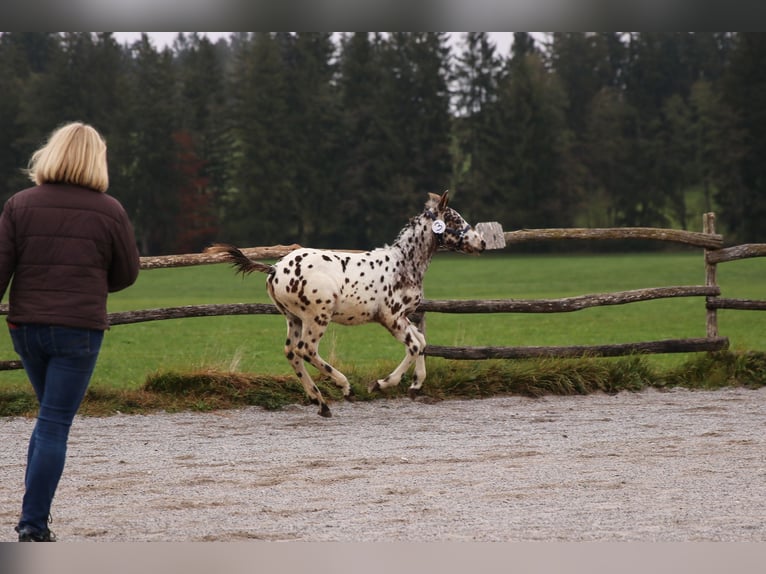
[[335, 140]]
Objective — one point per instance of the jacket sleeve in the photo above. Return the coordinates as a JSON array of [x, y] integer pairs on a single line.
[[7, 249], [125, 260]]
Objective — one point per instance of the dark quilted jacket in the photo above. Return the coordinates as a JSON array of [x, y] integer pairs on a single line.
[[66, 248]]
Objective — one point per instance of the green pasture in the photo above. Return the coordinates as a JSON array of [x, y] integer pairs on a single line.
[[253, 344]]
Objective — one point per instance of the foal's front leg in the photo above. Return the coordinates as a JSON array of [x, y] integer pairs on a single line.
[[420, 361], [415, 341]]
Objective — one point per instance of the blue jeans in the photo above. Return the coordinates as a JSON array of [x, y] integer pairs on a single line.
[[59, 362]]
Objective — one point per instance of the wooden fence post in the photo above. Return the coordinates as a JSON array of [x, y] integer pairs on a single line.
[[711, 320]]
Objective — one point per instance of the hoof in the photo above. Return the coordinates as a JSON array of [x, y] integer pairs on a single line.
[[413, 393], [350, 398], [325, 411], [374, 387]]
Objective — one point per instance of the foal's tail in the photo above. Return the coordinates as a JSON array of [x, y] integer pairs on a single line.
[[241, 261]]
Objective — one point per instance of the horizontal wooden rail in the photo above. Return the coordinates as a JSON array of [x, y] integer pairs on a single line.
[[10, 365], [707, 240], [741, 304], [566, 304], [697, 239], [737, 252], [446, 306], [563, 305], [189, 259], [186, 311], [577, 351]]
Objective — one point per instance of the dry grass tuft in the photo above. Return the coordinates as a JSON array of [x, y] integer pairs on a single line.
[[212, 390]]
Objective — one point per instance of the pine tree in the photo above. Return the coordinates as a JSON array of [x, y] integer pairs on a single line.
[[532, 154], [365, 156], [416, 102], [395, 110], [607, 150], [148, 154], [258, 205], [743, 207], [720, 147], [477, 73], [584, 63], [314, 123], [201, 134], [14, 68], [676, 156]]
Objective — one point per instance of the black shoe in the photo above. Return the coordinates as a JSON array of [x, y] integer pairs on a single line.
[[27, 534]]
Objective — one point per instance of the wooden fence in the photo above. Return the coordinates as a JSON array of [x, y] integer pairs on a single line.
[[708, 240]]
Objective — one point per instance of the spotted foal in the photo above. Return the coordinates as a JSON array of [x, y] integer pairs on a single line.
[[314, 287]]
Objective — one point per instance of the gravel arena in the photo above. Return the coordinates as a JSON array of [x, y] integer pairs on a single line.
[[653, 466]]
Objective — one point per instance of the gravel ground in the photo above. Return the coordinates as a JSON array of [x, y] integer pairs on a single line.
[[652, 466]]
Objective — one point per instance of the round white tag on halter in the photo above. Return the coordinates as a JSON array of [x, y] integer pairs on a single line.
[[438, 226]]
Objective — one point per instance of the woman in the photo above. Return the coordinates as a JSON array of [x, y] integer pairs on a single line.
[[66, 244]]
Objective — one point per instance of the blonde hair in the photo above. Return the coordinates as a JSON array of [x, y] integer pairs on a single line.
[[76, 154]]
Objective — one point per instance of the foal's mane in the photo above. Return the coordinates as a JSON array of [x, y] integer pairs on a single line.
[[431, 204]]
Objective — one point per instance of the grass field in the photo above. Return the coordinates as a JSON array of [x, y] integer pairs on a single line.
[[253, 344]]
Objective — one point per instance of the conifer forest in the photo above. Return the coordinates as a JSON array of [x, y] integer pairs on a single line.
[[334, 140]]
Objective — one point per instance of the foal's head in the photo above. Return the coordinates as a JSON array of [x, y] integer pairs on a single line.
[[451, 230]]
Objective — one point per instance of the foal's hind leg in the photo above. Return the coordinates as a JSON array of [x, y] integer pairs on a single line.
[[293, 345], [309, 347]]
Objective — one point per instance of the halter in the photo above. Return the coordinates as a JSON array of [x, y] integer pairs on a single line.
[[440, 231]]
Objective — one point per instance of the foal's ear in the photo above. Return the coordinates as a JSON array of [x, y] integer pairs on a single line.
[[443, 200], [437, 201]]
